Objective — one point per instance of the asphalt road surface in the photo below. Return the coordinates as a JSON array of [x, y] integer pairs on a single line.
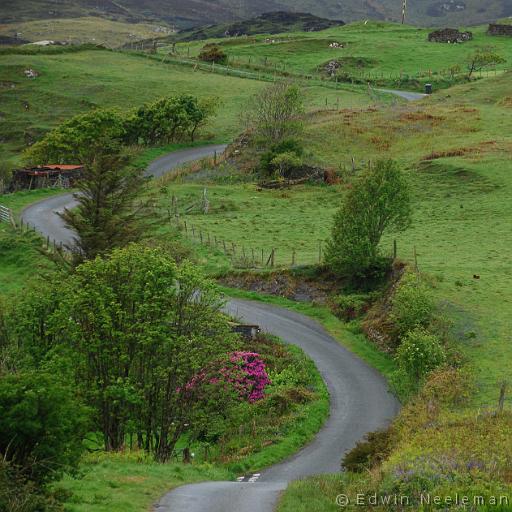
[[359, 397], [409, 96], [360, 403]]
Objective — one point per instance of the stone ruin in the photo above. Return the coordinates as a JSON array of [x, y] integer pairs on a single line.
[[449, 35], [500, 30]]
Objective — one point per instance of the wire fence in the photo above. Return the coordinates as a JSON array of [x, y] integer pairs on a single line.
[[49, 245]]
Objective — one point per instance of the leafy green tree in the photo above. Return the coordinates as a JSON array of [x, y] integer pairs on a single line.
[[169, 119], [483, 59], [290, 146], [275, 113], [141, 329], [378, 201], [42, 425], [285, 163], [111, 211], [73, 141]]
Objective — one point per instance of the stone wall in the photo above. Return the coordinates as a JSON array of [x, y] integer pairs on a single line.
[[500, 30], [449, 35]]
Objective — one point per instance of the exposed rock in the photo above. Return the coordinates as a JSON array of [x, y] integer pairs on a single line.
[[449, 35], [31, 73]]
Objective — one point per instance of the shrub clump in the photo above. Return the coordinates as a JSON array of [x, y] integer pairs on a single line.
[[412, 304], [419, 353], [212, 53], [375, 448]]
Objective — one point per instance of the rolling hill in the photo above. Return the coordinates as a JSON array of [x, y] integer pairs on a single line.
[[187, 13]]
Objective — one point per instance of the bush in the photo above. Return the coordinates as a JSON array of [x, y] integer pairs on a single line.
[[419, 353], [350, 307], [270, 160], [212, 53], [368, 453], [412, 305], [41, 425]]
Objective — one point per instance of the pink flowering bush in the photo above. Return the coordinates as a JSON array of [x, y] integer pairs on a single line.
[[244, 373], [248, 375]]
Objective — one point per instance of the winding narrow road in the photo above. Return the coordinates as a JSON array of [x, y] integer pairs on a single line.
[[360, 401]]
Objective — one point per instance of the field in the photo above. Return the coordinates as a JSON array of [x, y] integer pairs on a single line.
[[371, 50], [83, 30], [71, 83], [454, 147]]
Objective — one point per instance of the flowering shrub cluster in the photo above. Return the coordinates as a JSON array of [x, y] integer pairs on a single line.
[[243, 372], [247, 375]]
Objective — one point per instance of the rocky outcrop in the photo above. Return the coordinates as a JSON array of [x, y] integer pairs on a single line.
[[449, 35]]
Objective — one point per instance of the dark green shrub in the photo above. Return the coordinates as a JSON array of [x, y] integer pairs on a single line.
[[41, 425], [291, 147], [368, 453], [212, 53], [350, 307]]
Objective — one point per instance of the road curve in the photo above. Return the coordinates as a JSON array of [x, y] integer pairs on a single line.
[[360, 400], [360, 403]]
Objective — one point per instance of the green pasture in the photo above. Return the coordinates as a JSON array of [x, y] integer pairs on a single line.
[[381, 50]]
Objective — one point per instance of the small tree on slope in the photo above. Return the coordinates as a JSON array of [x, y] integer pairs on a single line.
[[379, 200]]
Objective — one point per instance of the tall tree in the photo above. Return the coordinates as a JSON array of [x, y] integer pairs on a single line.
[[379, 200], [275, 112], [111, 211], [141, 329]]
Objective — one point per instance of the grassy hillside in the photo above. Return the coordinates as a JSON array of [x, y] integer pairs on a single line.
[[375, 50], [70, 83], [187, 12]]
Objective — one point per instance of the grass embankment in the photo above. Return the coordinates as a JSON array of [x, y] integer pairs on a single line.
[[130, 482], [75, 82], [20, 260], [374, 50]]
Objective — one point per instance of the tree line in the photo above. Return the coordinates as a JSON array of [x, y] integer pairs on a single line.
[[166, 120]]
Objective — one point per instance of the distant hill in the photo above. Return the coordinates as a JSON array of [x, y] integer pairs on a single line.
[[268, 23], [187, 13]]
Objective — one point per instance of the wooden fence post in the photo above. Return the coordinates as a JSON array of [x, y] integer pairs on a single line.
[[501, 403]]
